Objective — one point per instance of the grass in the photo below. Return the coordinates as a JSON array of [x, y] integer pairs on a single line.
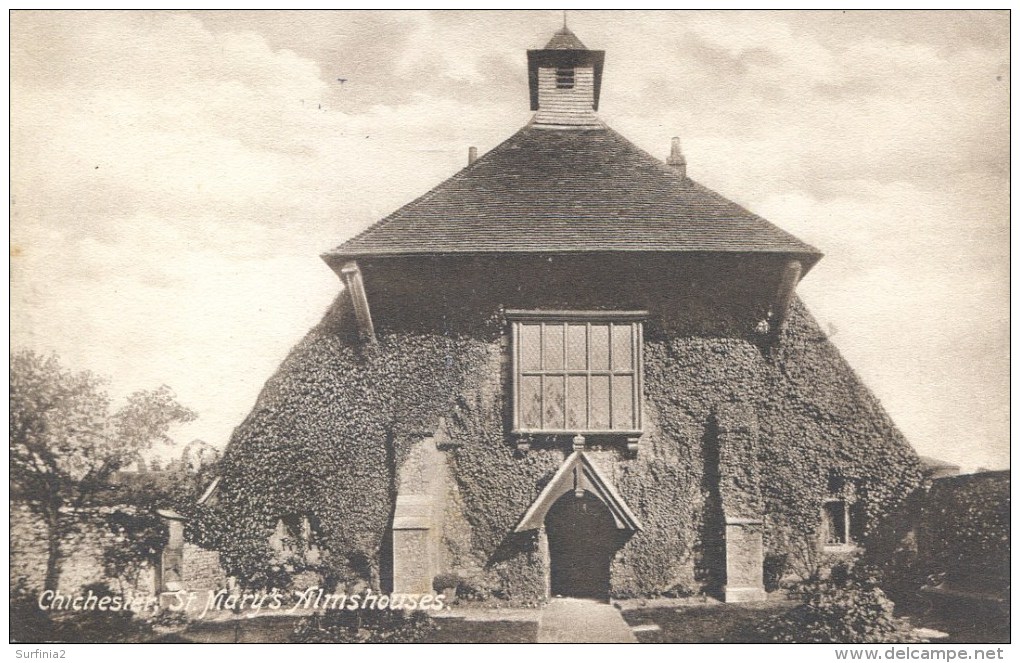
[[698, 624], [278, 628], [452, 629], [269, 629], [966, 622]]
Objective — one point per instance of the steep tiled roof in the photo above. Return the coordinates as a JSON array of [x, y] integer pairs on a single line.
[[567, 191]]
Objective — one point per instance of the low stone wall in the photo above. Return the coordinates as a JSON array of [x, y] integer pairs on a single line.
[[28, 548], [202, 568], [964, 532], [82, 557], [81, 553]]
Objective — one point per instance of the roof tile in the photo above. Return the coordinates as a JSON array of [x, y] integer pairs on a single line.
[[565, 191]]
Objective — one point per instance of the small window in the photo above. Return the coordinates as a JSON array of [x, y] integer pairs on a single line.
[[565, 78], [577, 375], [294, 533], [835, 519], [842, 521]]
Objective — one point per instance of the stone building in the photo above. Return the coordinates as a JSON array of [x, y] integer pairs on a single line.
[[569, 369]]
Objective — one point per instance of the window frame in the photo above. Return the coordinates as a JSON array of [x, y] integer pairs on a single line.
[[299, 528], [632, 319], [828, 526], [843, 492]]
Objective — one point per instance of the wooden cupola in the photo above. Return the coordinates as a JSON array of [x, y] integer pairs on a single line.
[[565, 80]]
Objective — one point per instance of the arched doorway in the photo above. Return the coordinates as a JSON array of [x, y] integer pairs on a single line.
[[582, 539]]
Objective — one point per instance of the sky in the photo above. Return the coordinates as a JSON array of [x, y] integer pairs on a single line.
[[175, 176]]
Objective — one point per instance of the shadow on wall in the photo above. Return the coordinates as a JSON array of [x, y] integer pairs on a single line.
[[712, 566]]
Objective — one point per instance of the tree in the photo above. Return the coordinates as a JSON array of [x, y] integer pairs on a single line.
[[65, 442]]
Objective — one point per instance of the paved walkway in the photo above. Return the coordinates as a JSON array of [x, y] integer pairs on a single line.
[[582, 620]]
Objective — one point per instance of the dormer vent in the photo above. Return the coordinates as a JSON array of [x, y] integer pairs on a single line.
[[565, 78]]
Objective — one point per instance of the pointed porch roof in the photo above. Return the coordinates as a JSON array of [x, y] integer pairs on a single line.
[[578, 474]]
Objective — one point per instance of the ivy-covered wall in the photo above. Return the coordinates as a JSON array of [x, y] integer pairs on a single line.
[[335, 423], [963, 532]]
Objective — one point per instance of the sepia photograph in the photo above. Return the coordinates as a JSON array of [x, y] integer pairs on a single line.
[[517, 326]]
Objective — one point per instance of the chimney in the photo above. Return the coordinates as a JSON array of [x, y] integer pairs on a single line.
[[676, 157], [472, 154]]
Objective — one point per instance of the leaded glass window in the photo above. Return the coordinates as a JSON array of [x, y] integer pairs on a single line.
[[577, 374]]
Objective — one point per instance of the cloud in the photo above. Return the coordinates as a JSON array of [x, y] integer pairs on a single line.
[[175, 176], [916, 284], [175, 185]]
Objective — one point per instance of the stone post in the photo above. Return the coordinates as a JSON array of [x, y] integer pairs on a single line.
[[739, 491], [413, 563], [418, 519]]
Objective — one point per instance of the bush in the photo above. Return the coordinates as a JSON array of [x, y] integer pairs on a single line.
[[469, 589], [445, 581], [847, 607], [964, 532], [680, 590], [167, 620], [364, 626], [29, 623]]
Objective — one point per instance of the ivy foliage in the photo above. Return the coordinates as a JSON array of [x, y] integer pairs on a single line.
[[964, 533], [325, 439], [820, 419], [335, 423]]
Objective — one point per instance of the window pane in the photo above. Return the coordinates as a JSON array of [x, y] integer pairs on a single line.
[[577, 347], [623, 406], [531, 401], [857, 522], [600, 347], [553, 349], [577, 402], [554, 405], [834, 516], [836, 484], [531, 347], [557, 401], [599, 419], [622, 348]]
